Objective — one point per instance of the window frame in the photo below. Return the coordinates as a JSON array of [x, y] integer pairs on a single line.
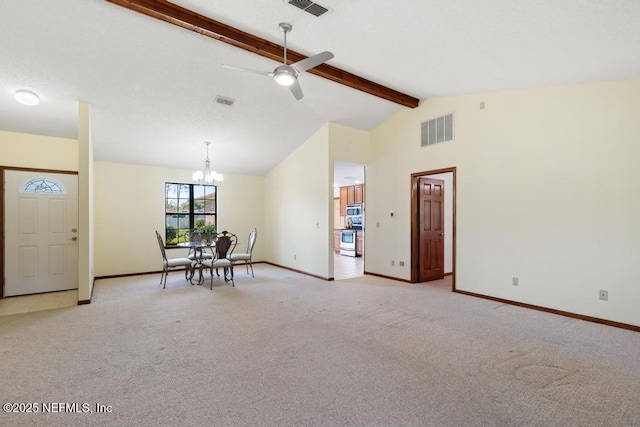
[[192, 214]]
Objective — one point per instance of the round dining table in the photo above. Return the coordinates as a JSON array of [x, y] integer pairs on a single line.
[[198, 256]]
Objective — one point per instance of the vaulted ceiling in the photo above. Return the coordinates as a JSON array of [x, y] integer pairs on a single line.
[[152, 85]]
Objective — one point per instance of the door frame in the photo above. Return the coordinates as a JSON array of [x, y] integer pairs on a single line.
[[2, 169], [415, 229]]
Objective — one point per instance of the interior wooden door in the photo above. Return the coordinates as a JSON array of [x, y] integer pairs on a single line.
[[431, 223]]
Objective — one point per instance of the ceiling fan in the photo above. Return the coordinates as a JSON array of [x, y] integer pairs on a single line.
[[287, 75]]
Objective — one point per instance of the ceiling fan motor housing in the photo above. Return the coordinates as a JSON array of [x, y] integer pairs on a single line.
[[285, 27]]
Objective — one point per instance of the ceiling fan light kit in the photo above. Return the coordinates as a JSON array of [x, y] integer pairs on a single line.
[[287, 75]]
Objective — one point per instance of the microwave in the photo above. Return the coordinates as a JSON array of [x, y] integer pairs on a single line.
[[354, 210]]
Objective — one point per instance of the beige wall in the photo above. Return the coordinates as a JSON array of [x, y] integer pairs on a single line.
[[85, 204], [129, 207], [299, 208], [348, 144], [299, 199], [38, 152], [548, 190]]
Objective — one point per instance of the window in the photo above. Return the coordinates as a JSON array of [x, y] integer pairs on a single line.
[[187, 207], [43, 185]]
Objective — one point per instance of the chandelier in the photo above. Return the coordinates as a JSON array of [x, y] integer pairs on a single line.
[[208, 177]]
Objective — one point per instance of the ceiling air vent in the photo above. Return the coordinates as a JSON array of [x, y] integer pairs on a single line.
[[437, 130], [224, 100], [310, 7]]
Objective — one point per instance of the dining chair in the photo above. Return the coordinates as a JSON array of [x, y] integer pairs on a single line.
[[225, 244], [246, 256], [169, 264]]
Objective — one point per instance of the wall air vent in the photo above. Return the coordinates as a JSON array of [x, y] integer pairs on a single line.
[[224, 100], [437, 130], [310, 7]]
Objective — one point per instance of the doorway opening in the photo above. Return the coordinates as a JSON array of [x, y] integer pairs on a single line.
[[348, 220], [433, 225]]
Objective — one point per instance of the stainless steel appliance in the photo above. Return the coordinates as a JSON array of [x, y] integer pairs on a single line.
[[354, 216], [348, 242], [354, 210]]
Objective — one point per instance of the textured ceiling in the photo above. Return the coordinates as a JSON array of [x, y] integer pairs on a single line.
[[152, 85]]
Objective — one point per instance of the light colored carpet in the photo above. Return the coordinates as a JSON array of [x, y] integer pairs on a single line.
[[284, 349]]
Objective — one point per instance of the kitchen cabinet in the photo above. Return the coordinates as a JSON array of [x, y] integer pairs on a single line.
[[359, 244], [336, 241], [349, 195], [358, 193], [343, 201]]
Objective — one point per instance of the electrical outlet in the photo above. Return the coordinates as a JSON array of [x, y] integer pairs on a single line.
[[295, 257], [401, 263], [393, 263], [514, 281], [604, 295]]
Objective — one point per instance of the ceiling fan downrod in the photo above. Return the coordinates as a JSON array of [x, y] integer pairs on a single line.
[[285, 29]]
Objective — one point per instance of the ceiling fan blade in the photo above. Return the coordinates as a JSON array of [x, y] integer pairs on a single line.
[[296, 90], [313, 61], [264, 73]]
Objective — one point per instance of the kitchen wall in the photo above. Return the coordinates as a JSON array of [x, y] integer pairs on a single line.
[[548, 190]]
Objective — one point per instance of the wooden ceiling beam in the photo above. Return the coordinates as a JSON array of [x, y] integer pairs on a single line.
[[185, 18]]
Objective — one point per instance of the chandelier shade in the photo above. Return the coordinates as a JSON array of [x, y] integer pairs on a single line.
[[208, 177]]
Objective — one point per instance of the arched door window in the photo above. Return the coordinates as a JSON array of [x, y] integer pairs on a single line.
[[43, 186]]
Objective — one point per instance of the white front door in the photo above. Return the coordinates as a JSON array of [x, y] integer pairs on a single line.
[[41, 232]]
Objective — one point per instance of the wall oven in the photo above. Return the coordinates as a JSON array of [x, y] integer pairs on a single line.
[[348, 242]]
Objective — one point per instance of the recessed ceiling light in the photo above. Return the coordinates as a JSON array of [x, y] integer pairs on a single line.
[[26, 97]]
